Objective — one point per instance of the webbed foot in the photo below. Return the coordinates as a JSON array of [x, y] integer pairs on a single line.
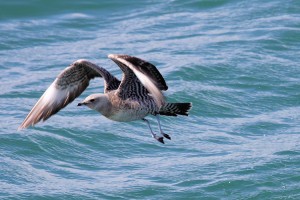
[[166, 136], [160, 139]]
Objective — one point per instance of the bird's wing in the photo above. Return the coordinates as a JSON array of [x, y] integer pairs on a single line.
[[139, 79], [68, 85]]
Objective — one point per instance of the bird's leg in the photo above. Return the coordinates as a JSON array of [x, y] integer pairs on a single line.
[[160, 139], [161, 132]]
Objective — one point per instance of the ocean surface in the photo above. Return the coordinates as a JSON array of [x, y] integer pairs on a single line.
[[238, 62]]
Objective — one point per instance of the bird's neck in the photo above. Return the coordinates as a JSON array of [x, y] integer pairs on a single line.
[[104, 105]]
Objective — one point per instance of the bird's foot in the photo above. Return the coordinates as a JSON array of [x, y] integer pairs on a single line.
[[160, 139], [166, 136]]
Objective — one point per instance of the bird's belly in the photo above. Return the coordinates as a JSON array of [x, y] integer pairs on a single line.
[[128, 115]]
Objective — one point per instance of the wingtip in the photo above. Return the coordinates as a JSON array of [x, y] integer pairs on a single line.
[[117, 56], [112, 56], [20, 128], [25, 125]]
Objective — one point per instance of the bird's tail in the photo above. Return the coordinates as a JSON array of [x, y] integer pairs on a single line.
[[174, 109]]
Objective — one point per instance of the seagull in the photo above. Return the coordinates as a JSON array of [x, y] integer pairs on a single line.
[[137, 95]]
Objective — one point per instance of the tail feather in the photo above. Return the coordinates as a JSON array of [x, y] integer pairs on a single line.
[[174, 109]]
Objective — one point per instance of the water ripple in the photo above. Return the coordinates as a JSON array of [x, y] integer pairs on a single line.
[[237, 61]]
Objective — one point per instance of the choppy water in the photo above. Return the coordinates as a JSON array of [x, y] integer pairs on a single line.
[[237, 61]]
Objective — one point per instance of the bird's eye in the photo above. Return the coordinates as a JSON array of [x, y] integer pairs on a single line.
[[92, 100]]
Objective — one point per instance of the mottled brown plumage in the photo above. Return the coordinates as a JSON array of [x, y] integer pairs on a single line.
[[134, 97]]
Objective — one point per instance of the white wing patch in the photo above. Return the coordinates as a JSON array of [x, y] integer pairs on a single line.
[[50, 102]]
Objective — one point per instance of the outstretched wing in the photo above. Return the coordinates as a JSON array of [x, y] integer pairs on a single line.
[[139, 79], [68, 85]]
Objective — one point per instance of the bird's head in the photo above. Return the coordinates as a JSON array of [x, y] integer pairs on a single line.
[[95, 101]]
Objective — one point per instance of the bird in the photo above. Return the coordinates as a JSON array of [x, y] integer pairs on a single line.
[[138, 94]]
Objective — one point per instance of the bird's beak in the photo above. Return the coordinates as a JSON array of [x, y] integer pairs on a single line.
[[80, 104]]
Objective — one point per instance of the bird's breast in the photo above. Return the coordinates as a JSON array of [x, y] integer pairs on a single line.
[[128, 110], [126, 115]]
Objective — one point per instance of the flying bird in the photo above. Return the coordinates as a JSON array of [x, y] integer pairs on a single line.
[[137, 95]]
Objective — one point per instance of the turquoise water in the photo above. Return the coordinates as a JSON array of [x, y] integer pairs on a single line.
[[237, 61]]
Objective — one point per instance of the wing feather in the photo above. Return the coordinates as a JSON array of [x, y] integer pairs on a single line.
[[148, 79], [68, 85], [147, 68]]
